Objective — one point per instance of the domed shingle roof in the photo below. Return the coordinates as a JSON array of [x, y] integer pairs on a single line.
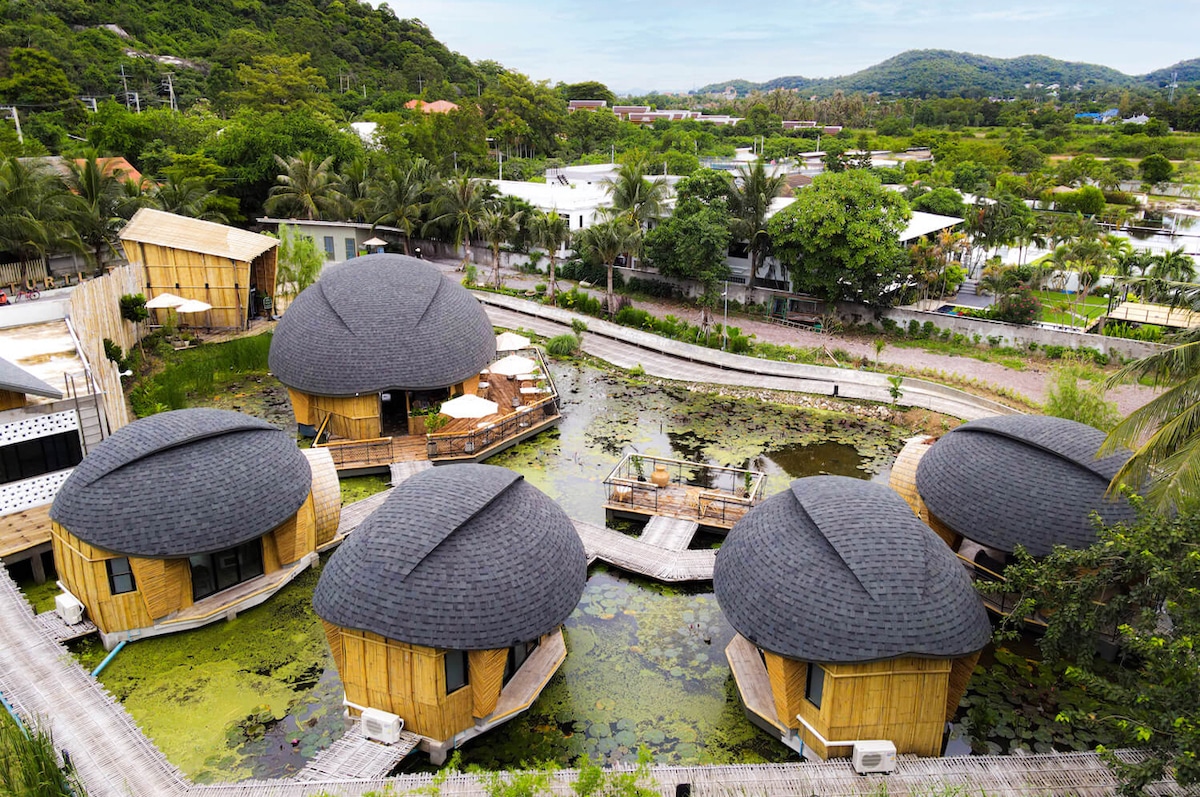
[[836, 569], [381, 322], [1022, 479], [186, 482], [467, 557]]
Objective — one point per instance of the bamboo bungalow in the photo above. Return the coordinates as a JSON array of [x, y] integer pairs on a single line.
[[375, 339], [999, 482], [188, 517], [445, 606], [233, 270], [855, 623]]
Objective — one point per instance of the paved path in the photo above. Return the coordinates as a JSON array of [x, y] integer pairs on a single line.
[[671, 359]]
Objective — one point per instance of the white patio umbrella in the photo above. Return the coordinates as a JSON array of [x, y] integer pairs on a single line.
[[374, 242], [165, 301], [469, 405], [511, 341], [512, 365], [193, 306]]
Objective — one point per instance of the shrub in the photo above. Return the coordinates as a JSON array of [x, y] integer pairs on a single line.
[[1067, 398], [565, 345], [1053, 351], [472, 274], [540, 289], [1018, 307], [113, 351], [578, 326], [914, 328], [655, 288], [634, 317], [929, 330]]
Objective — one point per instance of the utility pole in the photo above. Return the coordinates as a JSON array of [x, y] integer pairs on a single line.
[[171, 91], [12, 109], [89, 103], [125, 85], [500, 154], [1174, 85]]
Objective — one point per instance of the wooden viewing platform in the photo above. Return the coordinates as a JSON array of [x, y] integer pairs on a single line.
[[635, 556], [754, 687], [711, 495]]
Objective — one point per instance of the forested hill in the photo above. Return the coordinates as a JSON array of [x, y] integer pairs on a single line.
[[351, 45], [925, 72]]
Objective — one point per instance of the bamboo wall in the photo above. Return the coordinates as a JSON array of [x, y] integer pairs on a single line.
[[219, 281], [903, 700], [410, 681], [326, 494], [11, 400], [350, 417], [163, 586], [903, 480], [95, 314]]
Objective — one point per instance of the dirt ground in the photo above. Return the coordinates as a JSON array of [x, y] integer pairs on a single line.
[[1030, 382]]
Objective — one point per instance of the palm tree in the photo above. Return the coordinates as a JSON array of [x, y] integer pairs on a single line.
[[98, 206], [190, 196], [636, 199], [1165, 432], [353, 184], [551, 231], [396, 200], [1029, 232], [305, 189], [1173, 266], [497, 227], [34, 205], [458, 207], [606, 240], [750, 204]]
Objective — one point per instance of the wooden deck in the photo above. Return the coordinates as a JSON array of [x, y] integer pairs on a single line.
[[636, 556], [672, 533], [20, 531], [525, 686], [356, 756], [713, 496], [753, 684], [54, 627]]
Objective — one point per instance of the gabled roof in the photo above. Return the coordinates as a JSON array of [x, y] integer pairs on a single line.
[[381, 322], [836, 569], [466, 557], [1022, 479], [157, 227], [437, 106], [186, 482], [15, 378]]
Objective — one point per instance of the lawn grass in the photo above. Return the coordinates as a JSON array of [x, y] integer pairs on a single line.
[[1061, 308], [196, 372]]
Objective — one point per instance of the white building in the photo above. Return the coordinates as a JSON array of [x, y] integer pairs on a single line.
[[339, 240]]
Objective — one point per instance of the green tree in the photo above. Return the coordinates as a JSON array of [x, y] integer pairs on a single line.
[[1173, 266], [1140, 580], [458, 206], [98, 207], [1155, 169], [34, 76], [692, 244], [497, 228], [305, 189], [943, 201], [282, 83], [35, 210], [190, 196], [551, 231], [1085, 403], [635, 198], [1164, 433], [606, 240], [840, 239], [750, 203], [396, 199], [298, 263]]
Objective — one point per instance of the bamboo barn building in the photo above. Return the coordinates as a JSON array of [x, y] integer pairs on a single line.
[[855, 623], [188, 517], [445, 607]]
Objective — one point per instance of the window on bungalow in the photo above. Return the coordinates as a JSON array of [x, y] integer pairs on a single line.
[[350, 249], [814, 683], [329, 247], [456, 670], [120, 576]]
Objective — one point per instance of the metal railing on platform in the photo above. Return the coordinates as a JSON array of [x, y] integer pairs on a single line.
[[449, 445], [724, 493]]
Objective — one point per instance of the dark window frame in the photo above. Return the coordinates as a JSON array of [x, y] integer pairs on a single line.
[[28, 459], [814, 686], [459, 656], [120, 573]]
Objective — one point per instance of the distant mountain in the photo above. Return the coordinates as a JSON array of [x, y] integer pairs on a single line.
[[934, 71]]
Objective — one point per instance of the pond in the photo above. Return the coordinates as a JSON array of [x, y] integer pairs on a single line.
[[258, 696]]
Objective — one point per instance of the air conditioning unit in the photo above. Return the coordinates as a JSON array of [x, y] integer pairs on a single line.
[[381, 726], [874, 756], [69, 608]]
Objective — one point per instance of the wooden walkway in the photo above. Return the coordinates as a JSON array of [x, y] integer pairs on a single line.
[[672, 533], [54, 627], [636, 556], [402, 470], [356, 756]]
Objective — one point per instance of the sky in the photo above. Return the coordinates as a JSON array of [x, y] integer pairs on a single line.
[[634, 46]]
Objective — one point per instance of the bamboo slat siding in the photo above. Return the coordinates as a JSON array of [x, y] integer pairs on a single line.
[[95, 314], [326, 494], [487, 678], [903, 480]]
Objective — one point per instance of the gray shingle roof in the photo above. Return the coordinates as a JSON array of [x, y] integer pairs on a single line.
[[185, 482], [1024, 479], [836, 569], [381, 322], [15, 378], [465, 557]]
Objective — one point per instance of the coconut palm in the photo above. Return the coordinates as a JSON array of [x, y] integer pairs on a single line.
[[1173, 266], [33, 211], [457, 208], [497, 228], [397, 198], [636, 199], [1165, 432], [352, 184], [189, 196], [605, 241], [750, 205], [98, 206], [551, 231], [306, 189]]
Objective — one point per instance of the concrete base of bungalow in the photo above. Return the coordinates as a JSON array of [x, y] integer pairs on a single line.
[[225, 605], [754, 687]]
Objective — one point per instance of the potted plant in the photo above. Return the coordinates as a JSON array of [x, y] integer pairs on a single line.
[[638, 466], [747, 483]]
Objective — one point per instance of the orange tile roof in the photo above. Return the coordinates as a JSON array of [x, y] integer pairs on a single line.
[[437, 106]]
